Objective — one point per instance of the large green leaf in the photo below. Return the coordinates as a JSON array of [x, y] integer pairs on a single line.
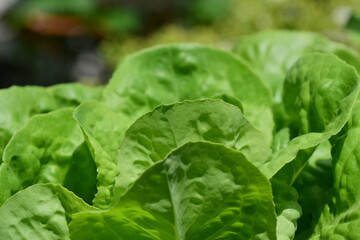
[[40, 152], [173, 73], [40, 212], [201, 191], [153, 136]]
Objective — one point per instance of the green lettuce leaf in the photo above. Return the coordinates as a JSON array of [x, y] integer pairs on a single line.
[[18, 104], [341, 217], [103, 131], [153, 136], [315, 188], [73, 94], [40, 152], [201, 191], [288, 210], [40, 212], [272, 53], [320, 92], [81, 176], [173, 73]]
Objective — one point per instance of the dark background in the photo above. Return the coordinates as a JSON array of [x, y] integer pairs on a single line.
[[44, 42]]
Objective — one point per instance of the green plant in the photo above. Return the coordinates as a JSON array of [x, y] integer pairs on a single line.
[[190, 142]]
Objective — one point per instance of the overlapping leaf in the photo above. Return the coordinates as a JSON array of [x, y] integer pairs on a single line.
[[42, 211], [320, 92], [168, 127], [103, 130], [173, 73], [341, 217], [40, 152], [201, 191], [18, 104], [272, 53]]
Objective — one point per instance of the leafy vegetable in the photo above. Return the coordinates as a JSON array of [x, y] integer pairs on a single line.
[[153, 136], [320, 91], [314, 186], [100, 125], [272, 53], [40, 152], [188, 142], [173, 73], [42, 212], [18, 104], [201, 191], [342, 219]]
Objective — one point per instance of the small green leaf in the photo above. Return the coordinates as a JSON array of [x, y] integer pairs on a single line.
[[104, 131], [81, 175], [73, 94], [42, 211], [18, 104], [288, 210], [40, 152]]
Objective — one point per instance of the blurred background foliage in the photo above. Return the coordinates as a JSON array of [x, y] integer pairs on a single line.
[[44, 42]]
